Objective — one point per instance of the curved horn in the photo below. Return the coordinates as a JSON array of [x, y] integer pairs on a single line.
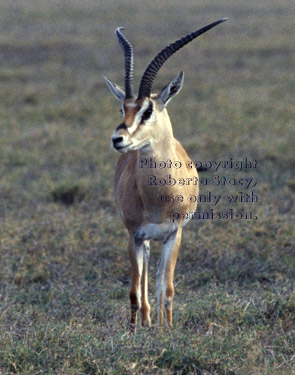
[[152, 70], [128, 52]]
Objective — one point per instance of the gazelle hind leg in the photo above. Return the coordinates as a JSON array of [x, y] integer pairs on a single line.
[[145, 307], [136, 260]]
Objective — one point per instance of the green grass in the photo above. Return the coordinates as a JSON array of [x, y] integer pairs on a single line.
[[64, 268]]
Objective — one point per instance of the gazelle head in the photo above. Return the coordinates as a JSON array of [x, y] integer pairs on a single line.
[[144, 116]]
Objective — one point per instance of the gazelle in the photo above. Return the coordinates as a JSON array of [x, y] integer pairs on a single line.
[[146, 135]]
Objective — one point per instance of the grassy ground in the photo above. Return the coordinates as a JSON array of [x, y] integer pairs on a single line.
[[64, 272]]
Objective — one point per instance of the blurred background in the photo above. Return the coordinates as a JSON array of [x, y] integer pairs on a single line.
[[64, 268]]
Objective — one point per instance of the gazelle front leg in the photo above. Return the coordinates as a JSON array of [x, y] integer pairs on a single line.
[[159, 287], [165, 275]]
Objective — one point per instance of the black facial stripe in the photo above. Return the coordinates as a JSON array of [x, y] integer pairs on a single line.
[[121, 126]]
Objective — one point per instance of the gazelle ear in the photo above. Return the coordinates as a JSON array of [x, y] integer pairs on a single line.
[[116, 90], [171, 89]]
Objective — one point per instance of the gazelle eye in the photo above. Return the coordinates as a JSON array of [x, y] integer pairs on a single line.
[[147, 114]]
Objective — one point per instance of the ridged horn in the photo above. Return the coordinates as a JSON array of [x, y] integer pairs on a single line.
[[153, 68], [128, 53]]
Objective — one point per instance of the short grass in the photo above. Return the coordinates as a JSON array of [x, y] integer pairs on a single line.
[[64, 271]]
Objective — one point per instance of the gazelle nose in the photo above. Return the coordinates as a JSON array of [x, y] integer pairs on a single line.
[[117, 140]]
